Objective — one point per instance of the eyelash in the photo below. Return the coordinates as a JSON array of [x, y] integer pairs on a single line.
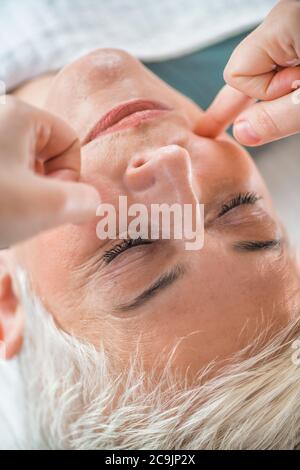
[[239, 200], [259, 245], [123, 246]]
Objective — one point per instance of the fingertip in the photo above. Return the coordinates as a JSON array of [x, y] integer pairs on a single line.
[[208, 127]]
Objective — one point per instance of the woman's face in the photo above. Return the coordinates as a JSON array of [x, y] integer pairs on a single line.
[[213, 301]]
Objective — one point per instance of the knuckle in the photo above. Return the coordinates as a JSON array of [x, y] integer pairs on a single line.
[[265, 123], [234, 73], [230, 72], [227, 75]]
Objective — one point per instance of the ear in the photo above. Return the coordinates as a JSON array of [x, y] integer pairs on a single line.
[[11, 314]]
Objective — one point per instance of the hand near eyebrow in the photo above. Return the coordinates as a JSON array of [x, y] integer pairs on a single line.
[[265, 66], [39, 169]]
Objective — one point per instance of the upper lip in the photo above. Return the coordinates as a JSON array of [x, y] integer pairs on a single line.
[[122, 111]]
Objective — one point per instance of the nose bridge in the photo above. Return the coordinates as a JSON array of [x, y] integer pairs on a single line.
[[163, 175]]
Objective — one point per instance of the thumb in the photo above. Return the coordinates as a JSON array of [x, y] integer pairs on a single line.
[[61, 202], [269, 120]]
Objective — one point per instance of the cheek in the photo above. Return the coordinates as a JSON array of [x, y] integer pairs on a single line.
[[51, 261], [184, 335]]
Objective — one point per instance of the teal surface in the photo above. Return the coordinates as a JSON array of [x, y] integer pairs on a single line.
[[198, 75]]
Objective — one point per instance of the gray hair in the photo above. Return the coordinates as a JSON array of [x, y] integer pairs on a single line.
[[76, 401]]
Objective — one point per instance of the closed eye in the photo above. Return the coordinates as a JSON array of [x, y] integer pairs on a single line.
[[240, 199], [258, 245], [126, 244]]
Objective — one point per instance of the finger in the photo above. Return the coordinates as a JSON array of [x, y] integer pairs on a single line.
[[269, 120], [260, 82], [57, 147], [64, 166], [62, 202], [40, 135], [41, 204], [227, 105], [53, 135], [264, 64]]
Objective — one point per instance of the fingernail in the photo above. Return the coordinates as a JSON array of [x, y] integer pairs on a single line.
[[245, 134]]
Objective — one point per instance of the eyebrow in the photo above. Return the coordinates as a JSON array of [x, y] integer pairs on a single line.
[[258, 245], [164, 281]]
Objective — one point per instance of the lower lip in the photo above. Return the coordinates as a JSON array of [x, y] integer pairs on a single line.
[[133, 120], [127, 115]]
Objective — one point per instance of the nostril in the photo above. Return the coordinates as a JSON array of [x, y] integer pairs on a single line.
[[140, 174], [138, 162]]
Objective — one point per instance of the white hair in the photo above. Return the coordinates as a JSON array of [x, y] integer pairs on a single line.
[[76, 401]]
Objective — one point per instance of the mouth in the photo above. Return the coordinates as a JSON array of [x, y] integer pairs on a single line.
[[125, 116]]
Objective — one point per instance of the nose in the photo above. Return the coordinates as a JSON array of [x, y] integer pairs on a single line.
[[163, 175]]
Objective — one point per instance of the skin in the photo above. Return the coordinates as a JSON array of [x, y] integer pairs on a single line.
[[224, 296], [265, 67], [46, 149]]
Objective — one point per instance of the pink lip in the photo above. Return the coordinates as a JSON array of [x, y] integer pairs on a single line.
[[125, 116]]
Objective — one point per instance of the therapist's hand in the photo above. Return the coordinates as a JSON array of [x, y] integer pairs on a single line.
[[265, 66], [39, 170]]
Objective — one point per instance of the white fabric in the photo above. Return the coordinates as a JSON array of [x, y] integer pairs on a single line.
[[12, 429], [37, 36]]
